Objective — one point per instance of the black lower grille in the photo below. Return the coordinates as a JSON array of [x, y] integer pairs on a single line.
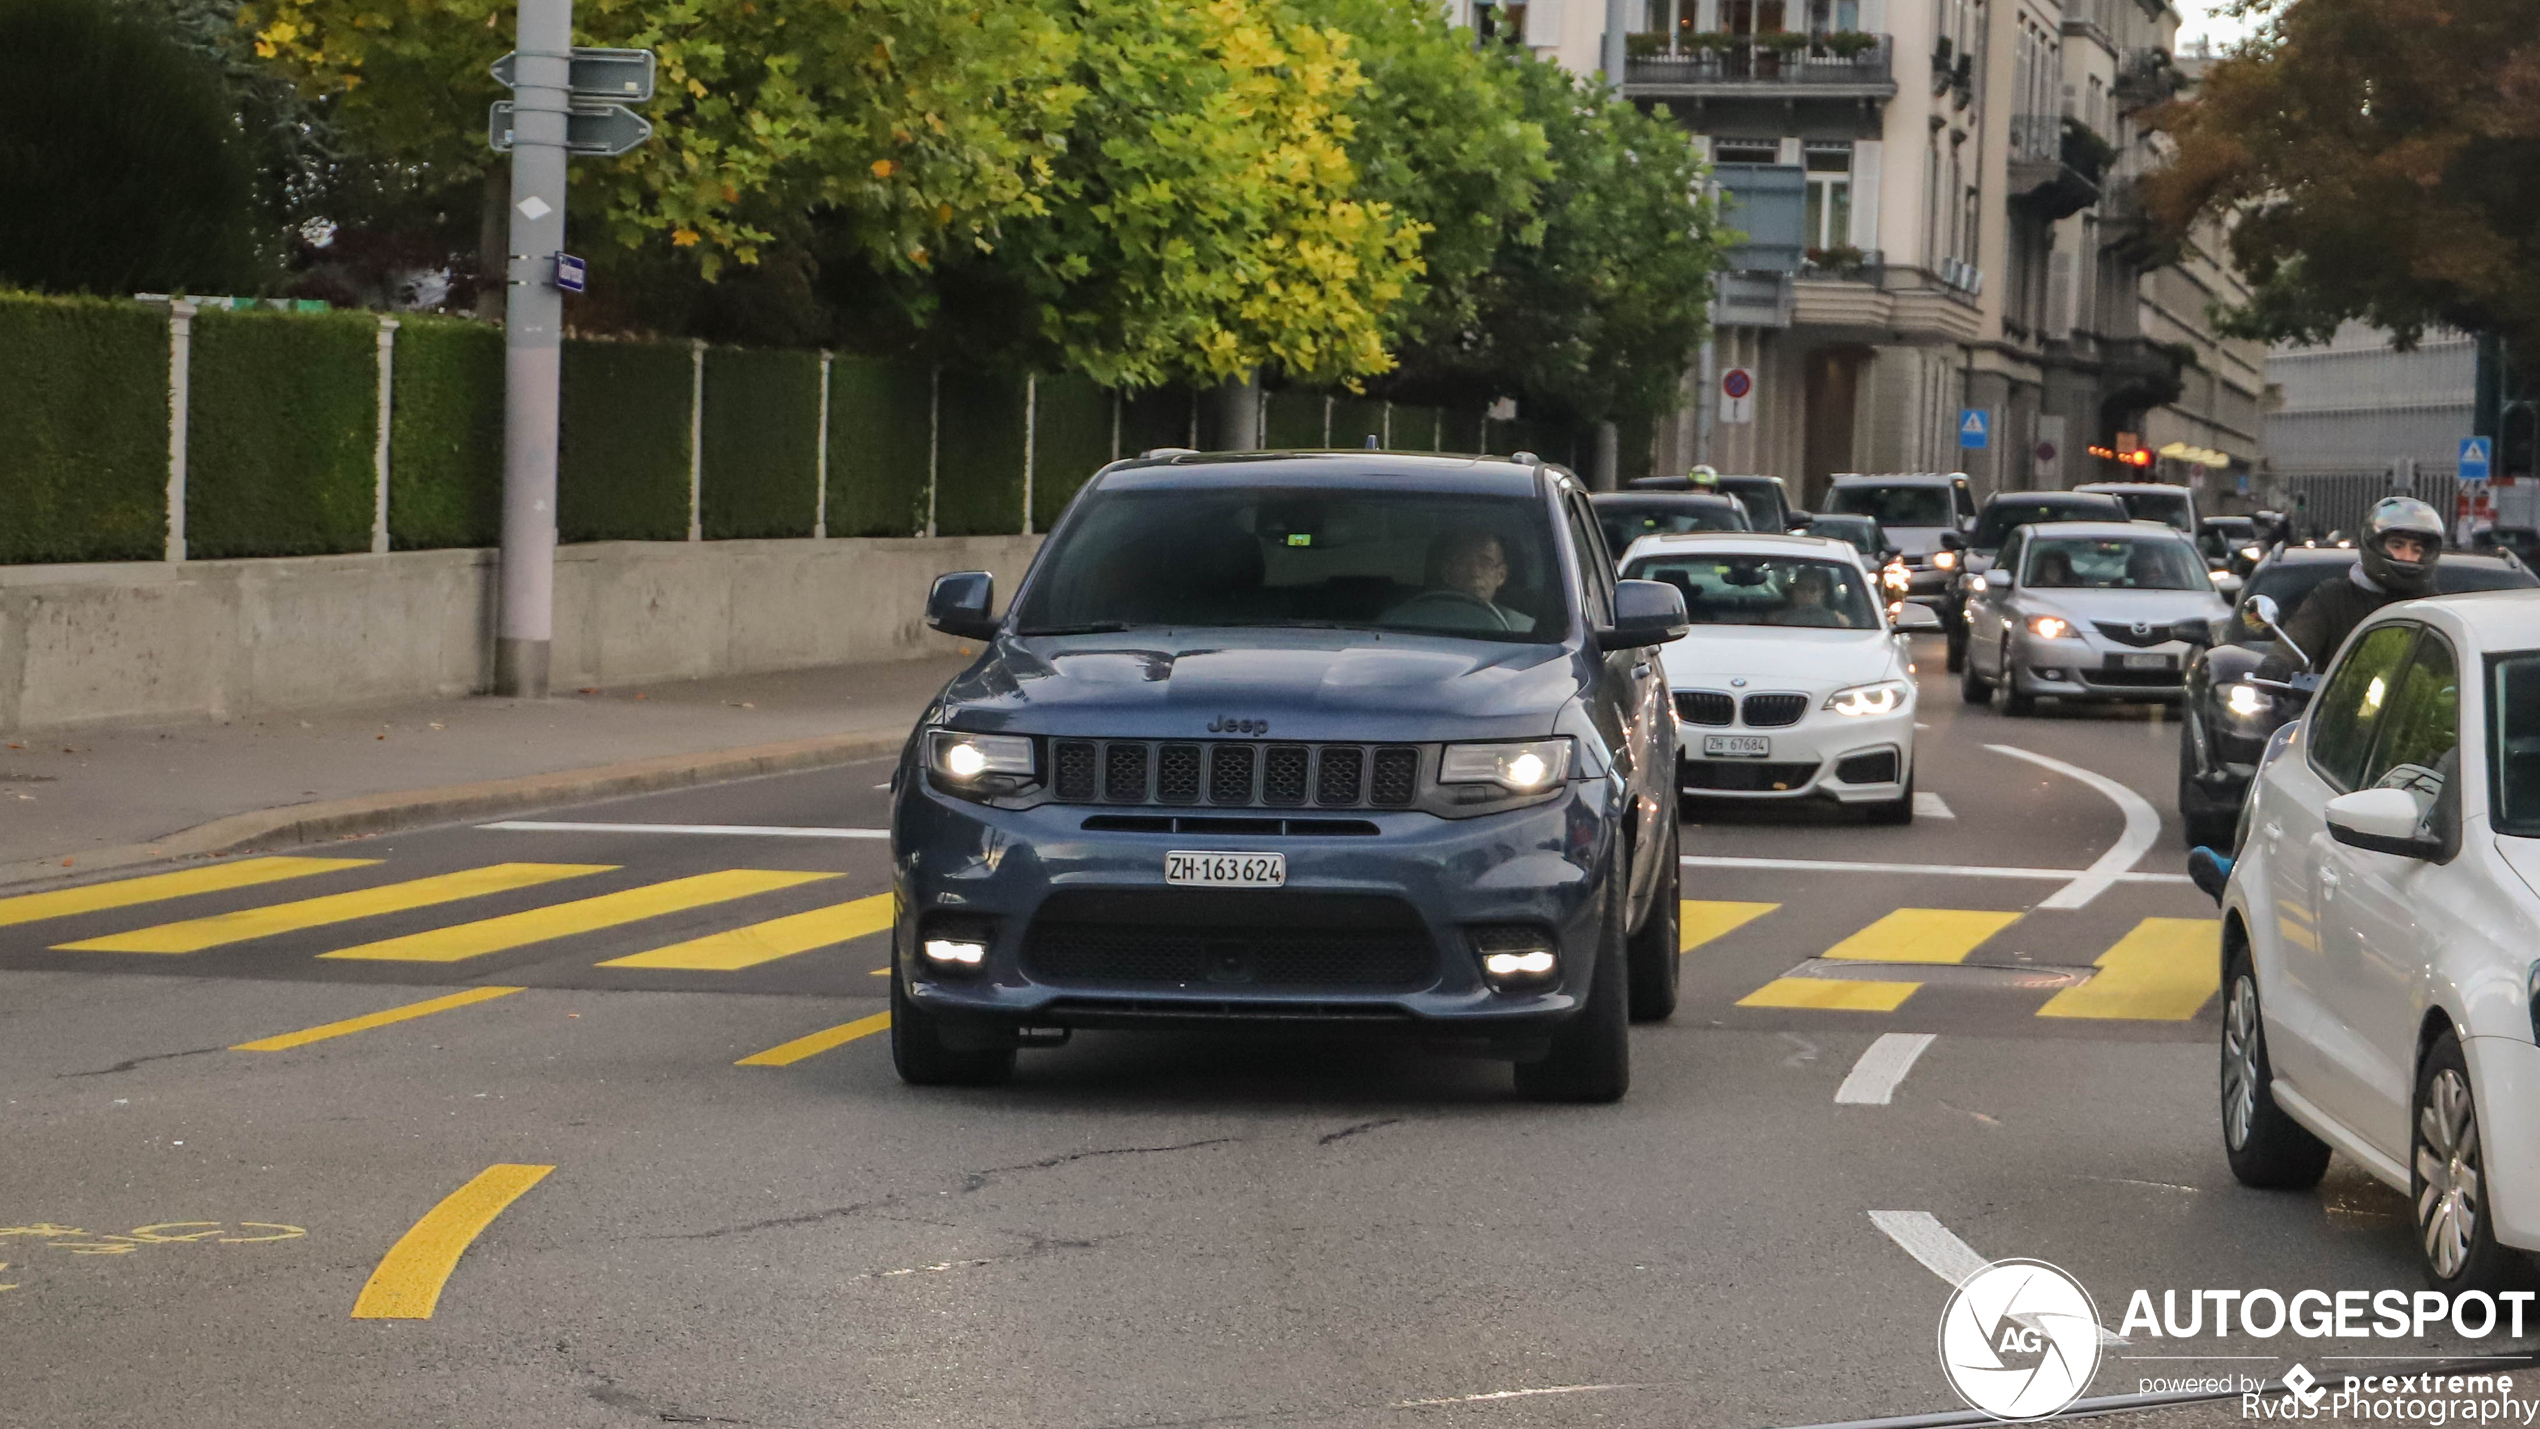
[[1875, 768], [1705, 707], [1229, 938], [2137, 679], [1738, 776], [1769, 711]]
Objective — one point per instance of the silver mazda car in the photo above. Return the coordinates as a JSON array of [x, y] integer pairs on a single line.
[[2086, 610]]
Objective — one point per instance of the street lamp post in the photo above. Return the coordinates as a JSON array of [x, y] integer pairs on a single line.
[[533, 312]]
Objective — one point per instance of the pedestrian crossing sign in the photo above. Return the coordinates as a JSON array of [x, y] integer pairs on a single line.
[[1974, 429]]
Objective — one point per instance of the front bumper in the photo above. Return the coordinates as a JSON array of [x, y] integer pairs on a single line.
[[1808, 760], [1028, 881], [2504, 1079], [2091, 667]]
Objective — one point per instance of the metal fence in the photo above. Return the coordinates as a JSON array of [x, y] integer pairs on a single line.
[[2336, 501]]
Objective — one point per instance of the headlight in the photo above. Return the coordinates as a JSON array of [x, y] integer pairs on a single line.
[[1944, 560], [2049, 627], [1978, 584], [2247, 701], [1885, 697], [962, 758], [2250, 553], [1534, 765], [1896, 577]]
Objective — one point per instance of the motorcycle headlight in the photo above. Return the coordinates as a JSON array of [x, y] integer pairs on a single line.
[[1885, 697], [2247, 701], [2050, 627], [1525, 768], [1944, 560], [965, 758]]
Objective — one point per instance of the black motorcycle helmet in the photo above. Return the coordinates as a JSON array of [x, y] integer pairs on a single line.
[[2401, 516]]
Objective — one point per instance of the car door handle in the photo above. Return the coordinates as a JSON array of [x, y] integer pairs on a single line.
[[1641, 671], [2273, 831], [2328, 884]]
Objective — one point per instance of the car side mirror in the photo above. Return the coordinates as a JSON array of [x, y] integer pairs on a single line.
[[959, 605], [1998, 578], [2193, 632], [1912, 618], [1952, 541], [1889, 553], [1645, 613], [2382, 820], [2227, 583], [1797, 520]]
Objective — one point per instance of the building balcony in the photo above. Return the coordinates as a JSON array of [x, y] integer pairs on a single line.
[[2056, 164], [1843, 65]]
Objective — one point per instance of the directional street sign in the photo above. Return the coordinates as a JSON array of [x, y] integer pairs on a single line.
[[605, 130], [1975, 429], [625, 75], [572, 274], [2475, 465]]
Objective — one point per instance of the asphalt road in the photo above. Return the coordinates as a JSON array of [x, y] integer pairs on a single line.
[[1140, 1231]]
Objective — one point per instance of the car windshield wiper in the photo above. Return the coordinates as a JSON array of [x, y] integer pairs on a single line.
[[1090, 627]]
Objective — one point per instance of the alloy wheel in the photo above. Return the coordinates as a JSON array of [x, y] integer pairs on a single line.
[[2240, 1062], [2450, 1180]]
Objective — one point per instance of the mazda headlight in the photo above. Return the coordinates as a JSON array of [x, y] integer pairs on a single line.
[[966, 759], [1885, 697], [2050, 627], [1525, 768]]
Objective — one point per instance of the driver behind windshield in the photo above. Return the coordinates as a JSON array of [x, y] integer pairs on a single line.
[[1468, 569]]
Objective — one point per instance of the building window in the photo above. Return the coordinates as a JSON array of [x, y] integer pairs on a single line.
[[1751, 17], [1745, 151], [1825, 15], [1829, 213]]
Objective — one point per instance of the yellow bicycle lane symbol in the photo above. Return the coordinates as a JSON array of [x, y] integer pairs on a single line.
[[81, 1242]]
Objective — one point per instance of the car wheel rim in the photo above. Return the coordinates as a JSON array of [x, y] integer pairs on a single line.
[[2240, 1062], [2449, 1179]]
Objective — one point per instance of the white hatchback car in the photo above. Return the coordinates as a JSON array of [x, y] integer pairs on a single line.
[[2381, 932], [1794, 683]]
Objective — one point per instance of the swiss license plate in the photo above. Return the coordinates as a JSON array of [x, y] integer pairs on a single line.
[[2146, 662], [1226, 870], [1738, 746]]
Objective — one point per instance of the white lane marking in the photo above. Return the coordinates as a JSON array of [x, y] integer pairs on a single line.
[[1923, 1237], [1945, 870], [1513, 1394], [763, 831], [1874, 1078], [1928, 805], [2142, 830]]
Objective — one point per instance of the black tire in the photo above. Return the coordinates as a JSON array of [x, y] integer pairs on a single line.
[[1972, 687], [1591, 1056], [2014, 703], [2267, 1148], [1896, 811], [2456, 1238], [1656, 953], [1957, 639], [918, 1050], [2198, 819]]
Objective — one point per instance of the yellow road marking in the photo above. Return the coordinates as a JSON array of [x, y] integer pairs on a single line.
[[124, 893], [1833, 994], [1922, 935], [514, 930], [2163, 971], [288, 1040], [407, 1284], [194, 935], [768, 941], [1700, 920], [786, 1054]]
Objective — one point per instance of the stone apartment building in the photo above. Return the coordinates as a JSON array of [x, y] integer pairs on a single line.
[[1937, 197]]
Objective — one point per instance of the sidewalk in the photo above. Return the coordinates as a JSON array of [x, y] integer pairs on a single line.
[[83, 800]]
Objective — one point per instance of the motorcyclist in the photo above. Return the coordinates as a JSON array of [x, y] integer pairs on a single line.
[[2401, 543]]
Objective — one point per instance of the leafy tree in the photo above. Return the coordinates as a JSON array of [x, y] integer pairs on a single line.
[[120, 165], [2378, 160]]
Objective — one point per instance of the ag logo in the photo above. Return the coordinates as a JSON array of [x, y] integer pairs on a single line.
[[2020, 1340]]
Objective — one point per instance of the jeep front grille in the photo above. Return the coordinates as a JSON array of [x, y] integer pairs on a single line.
[[1234, 775]]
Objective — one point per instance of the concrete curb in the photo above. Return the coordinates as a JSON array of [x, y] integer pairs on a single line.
[[318, 822]]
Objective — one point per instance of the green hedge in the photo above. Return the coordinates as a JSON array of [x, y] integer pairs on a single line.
[[979, 456], [445, 435], [762, 443], [83, 430], [1291, 420], [1071, 440], [281, 434], [1157, 418], [622, 468], [880, 434]]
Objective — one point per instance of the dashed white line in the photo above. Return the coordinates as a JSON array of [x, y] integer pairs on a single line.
[[1921, 1235], [1934, 870], [763, 831], [1928, 805], [2142, 830], [1874, 1078]]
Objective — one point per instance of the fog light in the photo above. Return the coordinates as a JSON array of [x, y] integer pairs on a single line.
[[956, 952], [1516, 956]]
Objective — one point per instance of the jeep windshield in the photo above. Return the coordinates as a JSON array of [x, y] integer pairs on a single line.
[[1478, 567], [1894, 506]]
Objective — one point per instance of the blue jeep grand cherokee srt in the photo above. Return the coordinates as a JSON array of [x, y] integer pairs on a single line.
[[1324, 740]]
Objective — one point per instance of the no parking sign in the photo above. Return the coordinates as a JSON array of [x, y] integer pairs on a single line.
[[1737, 395]]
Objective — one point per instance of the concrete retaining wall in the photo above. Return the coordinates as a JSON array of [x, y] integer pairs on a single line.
[[87, 644]]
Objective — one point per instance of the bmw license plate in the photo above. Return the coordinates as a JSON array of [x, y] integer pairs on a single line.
[[2147, 662], [1737, 746], [1226, 870]]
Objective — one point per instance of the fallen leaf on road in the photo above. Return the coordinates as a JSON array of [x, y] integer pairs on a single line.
[[436, 724], [379, 736]]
